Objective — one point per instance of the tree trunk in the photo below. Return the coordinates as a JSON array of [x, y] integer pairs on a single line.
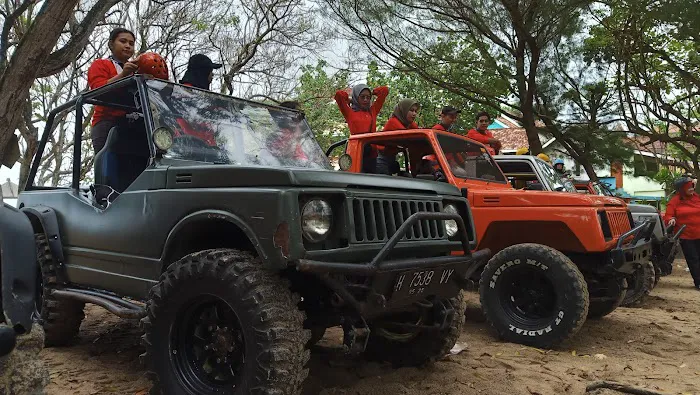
[[28, 58]]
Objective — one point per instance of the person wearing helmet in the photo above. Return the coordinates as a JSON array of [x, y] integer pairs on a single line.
[[543, 156], [684, 209], [104, 71], [559, 166], [523, 151], [200, 71]]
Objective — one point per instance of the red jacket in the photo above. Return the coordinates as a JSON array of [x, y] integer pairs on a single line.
[[394, 124], [482, 138], [100, 71], [687, 212], [439, 127], [360, 122]]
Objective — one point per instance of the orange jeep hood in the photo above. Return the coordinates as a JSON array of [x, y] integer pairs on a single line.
[[518, 198]]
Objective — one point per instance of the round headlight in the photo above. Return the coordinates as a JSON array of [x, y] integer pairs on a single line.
[[163, 138], [451, 225], [344, 162], [316, 220]]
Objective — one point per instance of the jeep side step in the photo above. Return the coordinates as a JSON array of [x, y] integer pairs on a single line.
[[117, 306]]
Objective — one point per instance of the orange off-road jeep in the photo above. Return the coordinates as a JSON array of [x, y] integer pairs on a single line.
[[558, 257]]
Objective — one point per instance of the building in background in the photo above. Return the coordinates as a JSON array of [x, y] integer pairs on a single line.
[[10, 191]]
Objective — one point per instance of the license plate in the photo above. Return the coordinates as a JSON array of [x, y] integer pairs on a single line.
[[421, 282]]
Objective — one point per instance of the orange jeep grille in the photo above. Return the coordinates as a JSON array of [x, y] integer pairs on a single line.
[[619, 222]]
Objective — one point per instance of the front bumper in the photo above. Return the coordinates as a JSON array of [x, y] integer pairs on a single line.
[[377, 292], [625, 257]]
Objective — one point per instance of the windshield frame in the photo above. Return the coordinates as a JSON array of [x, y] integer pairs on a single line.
[[483, 149], [239, 136], [546, 169]]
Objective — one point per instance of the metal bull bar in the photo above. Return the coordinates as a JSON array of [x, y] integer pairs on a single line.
[[378, 264]]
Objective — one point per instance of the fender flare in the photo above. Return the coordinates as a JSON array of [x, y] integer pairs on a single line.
[[19, 268], [206, 215], [49, 223]]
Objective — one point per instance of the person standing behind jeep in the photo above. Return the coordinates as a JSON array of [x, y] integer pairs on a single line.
[[359, 111], [200, 72], [684, 209], [104, 71], [448, 117], [481, 133]]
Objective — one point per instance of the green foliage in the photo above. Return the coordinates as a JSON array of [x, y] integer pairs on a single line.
[[315, 93]]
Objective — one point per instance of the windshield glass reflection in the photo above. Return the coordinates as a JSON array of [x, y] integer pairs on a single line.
[[214, 128]]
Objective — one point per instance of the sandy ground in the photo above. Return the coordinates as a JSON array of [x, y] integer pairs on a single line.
[[655, 346]]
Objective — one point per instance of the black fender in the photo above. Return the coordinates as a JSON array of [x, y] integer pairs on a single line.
[[206, 215], [48, 221], [19, 268]]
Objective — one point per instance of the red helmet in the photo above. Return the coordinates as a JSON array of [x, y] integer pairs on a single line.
[[153, 64]]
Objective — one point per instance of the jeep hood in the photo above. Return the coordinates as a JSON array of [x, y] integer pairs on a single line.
[[221, 176], [519, 198]]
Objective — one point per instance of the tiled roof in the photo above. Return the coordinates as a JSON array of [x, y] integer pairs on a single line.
[[511, 138], [9, 189]]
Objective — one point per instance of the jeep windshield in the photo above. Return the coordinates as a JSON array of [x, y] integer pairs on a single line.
[[555, 181], [213, 128], [469, 160]]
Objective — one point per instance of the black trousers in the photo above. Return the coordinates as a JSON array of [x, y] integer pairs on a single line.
[[691, 250], [100, 132]]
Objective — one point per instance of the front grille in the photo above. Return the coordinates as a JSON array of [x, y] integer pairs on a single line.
[[619, 222], [376, 220]]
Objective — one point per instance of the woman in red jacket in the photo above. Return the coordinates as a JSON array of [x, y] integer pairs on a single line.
[[403, 117], [102, 72], [359, 111], [684, 209]]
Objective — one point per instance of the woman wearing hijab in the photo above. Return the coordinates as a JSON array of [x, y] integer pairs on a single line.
[[403, 117], [359, 111], [200, 72], [684, 209]]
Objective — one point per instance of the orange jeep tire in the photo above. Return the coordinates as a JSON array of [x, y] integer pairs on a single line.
[[534, 295]]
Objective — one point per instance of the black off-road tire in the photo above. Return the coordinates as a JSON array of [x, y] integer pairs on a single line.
[[423, 348], [60, 318], [639, 284], [601, 308], [268, 341], [533, 294]]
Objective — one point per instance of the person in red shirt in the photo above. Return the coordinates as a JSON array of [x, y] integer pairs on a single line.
[[359, 111], [684, 209], [448, 117], [403, 117], [483, 135], [200, 71], [104, 71]]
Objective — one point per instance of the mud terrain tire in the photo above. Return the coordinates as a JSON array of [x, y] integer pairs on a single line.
[[224, 305], [601, 308], [534, 295], [639, 284], [60, 318], [423, 348]]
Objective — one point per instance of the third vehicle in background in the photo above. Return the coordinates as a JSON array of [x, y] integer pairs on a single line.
[[664, 240]]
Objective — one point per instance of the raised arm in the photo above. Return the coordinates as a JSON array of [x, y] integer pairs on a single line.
[[381, 92], [343, 101]]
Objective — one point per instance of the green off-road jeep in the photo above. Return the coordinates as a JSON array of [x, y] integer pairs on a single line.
[[220, 224]]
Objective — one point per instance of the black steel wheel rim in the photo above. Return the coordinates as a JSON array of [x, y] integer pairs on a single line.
[[527, 296], [207, 346]]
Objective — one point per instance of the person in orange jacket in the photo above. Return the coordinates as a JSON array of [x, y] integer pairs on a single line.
[[359, 111], [104, 71], [482, 134], [200, 71], [403, 117], [684, 209], [448, 117], [361, 116]]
